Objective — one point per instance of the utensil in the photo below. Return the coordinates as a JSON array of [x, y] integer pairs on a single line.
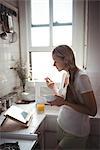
[[13, 37], [4, 36]]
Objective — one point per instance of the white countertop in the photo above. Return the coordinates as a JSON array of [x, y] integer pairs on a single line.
[[13, 127], [38, 117]]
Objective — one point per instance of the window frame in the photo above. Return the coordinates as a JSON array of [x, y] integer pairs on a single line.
[[51, 25], [78, 36]]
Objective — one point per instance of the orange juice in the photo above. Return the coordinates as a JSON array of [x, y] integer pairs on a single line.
[[40, 107]]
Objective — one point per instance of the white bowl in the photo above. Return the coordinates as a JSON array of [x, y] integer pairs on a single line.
[[49, 98], [27, 96]]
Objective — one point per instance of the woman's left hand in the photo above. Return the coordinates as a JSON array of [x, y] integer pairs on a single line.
[[59, 101]]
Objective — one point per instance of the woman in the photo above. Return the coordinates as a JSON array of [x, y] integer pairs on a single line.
[[78, 105]]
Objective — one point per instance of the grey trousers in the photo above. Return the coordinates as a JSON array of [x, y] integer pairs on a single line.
[[70, 142]]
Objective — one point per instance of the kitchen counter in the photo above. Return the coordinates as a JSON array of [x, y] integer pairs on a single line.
[[38, 117], [12, 128]]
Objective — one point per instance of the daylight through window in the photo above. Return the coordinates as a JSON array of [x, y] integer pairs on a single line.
[[51, 25]]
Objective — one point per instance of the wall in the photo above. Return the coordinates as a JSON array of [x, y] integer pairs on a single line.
[[78, 31], [93, 39], [12, 2], [93, 50], [23, 24], [9, 53], [87, 45]]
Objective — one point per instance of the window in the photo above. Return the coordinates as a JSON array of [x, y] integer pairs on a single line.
[[51, 25]]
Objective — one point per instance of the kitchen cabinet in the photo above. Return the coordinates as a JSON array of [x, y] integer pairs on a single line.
[[40, 131], [47, 133], [50, 132], [93, 141], [50, 140]]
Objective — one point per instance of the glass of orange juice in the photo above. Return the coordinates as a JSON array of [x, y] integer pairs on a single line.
[[40, 107]]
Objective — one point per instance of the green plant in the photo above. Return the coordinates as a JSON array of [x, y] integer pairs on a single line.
[[22, 73]]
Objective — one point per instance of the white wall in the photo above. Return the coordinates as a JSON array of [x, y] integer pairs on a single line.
[[93, 51], [92, 24], [78, 31], [9, 53]]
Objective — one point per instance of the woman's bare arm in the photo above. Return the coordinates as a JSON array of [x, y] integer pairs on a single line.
[[89, 107]]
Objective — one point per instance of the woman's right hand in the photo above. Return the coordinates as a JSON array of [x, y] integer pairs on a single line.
[[49, 83], [58, 101]]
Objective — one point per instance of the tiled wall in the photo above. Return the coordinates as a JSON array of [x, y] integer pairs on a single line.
[[9, 54]]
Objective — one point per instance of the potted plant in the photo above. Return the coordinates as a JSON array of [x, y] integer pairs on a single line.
[[22, 73]]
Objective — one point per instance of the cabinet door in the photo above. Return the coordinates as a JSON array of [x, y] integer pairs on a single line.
[[50, 140], [51, 123], [40, 132], [50, 132]]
